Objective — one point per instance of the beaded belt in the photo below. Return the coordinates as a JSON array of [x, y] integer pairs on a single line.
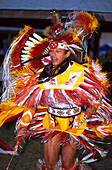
[[64, 112]]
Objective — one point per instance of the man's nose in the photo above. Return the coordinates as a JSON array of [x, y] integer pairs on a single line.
[[53, 53]]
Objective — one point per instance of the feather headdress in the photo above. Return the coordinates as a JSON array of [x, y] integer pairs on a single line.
[[77, 27]]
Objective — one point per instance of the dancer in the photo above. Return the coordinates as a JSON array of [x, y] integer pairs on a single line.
[[53, 95]]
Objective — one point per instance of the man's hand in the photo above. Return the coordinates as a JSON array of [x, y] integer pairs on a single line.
[[90, 111]]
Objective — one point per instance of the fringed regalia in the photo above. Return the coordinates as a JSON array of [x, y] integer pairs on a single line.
[[54, 100]]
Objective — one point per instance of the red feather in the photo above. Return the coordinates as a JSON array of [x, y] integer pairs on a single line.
[[36, 52]]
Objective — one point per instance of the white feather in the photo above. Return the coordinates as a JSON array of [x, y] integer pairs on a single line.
[[87, 156], [26, 48], [77, 48], [34, 40], [25, 52], [29, 43], [37, 37], [90, 160], [24, 56]]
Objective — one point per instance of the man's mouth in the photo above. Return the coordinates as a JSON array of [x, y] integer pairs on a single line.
[[54, 59]]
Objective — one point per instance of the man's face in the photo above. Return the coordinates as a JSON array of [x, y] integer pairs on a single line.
[[57, 56]]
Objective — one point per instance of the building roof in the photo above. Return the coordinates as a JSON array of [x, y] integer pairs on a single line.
[[104, 6]]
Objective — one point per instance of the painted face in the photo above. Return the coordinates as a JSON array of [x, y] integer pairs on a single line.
[[57, 56]]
